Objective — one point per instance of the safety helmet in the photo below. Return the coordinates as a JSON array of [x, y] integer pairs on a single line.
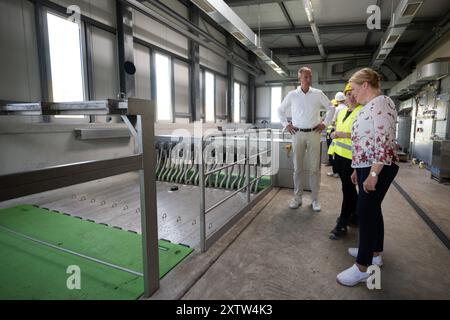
[[348, 88], [340, 97]]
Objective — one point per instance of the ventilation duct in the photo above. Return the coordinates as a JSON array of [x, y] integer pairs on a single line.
[[402, 17], [223, 15], [433, 71], [411, 84]]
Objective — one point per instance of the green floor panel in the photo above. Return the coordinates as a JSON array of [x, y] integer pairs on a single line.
[[34, 271]]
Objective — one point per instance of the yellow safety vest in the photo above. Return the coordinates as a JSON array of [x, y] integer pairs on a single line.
[[343, 146], [329, 129]]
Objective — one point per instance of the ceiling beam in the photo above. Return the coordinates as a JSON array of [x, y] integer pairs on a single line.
[[291, 23], [315, 30], [239, 3], [337, 59], [401, 48], [343, 28]]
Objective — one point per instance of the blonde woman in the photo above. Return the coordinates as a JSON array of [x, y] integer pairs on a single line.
[[374, 160]]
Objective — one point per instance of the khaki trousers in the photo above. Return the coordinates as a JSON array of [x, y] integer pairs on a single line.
[[306, 148]]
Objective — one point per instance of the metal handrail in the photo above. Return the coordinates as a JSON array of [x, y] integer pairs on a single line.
[[225, 167], [203, 175]]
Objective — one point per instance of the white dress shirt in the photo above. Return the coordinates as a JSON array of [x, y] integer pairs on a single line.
[[304, 108]]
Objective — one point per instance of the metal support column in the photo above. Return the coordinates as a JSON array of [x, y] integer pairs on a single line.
[[202, 197], [149, 210], [251, 109], [194, 67], [125, 47], [247, 168], [230, 82]]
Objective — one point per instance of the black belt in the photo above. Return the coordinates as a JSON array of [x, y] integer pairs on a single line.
[[305, 130]]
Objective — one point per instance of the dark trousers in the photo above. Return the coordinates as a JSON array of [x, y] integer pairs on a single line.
[[331, 159], [371, 225], [349, 193]]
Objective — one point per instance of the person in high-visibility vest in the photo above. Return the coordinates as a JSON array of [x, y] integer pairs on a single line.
[[330, 129], [341, 149], [340, 104]]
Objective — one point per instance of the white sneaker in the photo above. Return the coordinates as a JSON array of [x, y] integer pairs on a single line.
[[295, 203], [316, 206], [352, 276], [330, 174], [336, 175], [377, 261]]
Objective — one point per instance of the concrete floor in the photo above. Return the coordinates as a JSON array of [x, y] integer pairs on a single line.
[[278, 253]]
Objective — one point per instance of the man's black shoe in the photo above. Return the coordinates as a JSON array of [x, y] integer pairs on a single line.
[[337, 233]]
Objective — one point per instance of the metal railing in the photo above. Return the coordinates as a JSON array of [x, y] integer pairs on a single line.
[[17, 185], [248, 182]]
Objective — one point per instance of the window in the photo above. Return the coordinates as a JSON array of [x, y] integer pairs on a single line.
[[275, 103], [210, 97], [163, 88], [237, 103], [65, 59]]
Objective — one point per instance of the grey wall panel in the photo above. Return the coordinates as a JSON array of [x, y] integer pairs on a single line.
[[212, 60], [101, 10], [240, 75], [143, 81], [221, 97], [241, 52], [19, 63], [263, 103], [244, 102], [178, 7], [105, 65], [182, 93], [159, 35], [213, 31]]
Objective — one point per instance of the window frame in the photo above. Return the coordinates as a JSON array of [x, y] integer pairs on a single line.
[[82, 39], [45, 61]]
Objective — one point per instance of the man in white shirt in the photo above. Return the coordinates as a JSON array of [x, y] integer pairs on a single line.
[[304, 105]]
